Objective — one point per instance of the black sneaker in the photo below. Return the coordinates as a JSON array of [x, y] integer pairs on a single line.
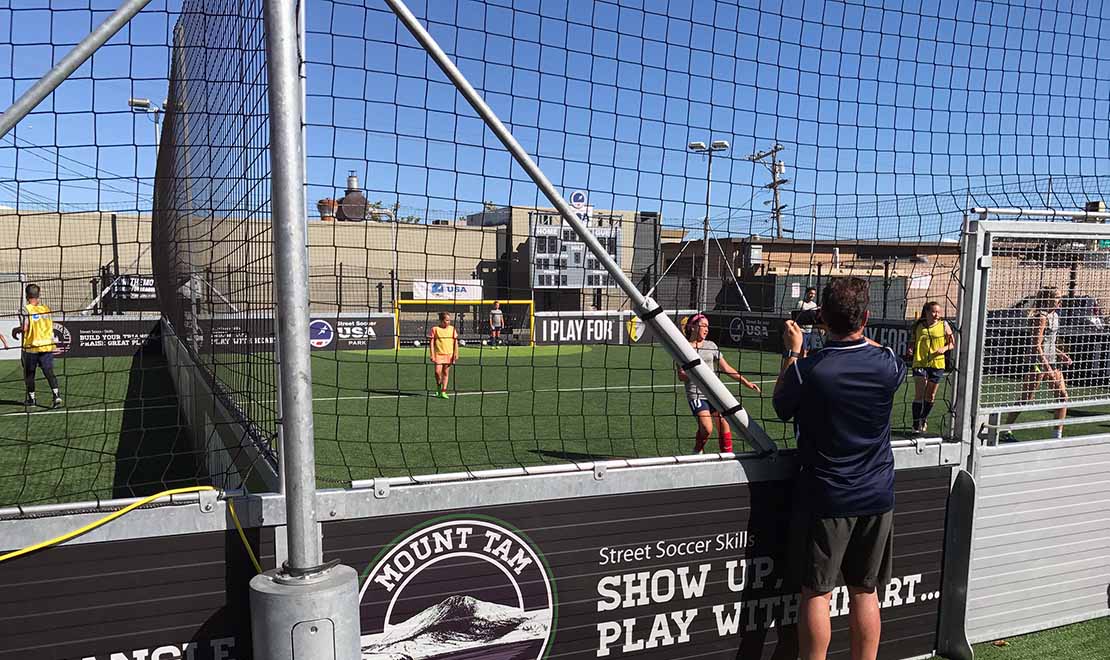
[[58, 402], [30, 402]]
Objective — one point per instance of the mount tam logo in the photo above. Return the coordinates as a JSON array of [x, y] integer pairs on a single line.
[[458, 588], [63, 340]]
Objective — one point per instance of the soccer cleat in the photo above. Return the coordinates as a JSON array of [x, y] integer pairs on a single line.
[[30, 402], [924, 427], [443, 395], [58, 402]]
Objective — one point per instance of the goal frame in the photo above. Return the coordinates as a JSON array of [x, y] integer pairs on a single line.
[[397, 304]]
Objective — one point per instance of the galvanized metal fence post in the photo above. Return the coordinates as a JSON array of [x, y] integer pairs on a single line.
[[305, 609]]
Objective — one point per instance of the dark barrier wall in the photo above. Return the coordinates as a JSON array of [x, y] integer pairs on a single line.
[[763, 332], [688, 572], [326, 333], [597, 328], [183, 597], [109, 336], [104, 336]]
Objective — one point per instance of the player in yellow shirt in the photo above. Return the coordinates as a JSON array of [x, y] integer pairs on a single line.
[[37, 340], [930, 339], [443, 342]]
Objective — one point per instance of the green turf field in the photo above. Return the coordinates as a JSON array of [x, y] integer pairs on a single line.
[[1089, 640], [519, 406], [119, 434]]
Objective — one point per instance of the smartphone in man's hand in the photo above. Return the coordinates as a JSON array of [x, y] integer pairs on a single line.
[[806, 317]]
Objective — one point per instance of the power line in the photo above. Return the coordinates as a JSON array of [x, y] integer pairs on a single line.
[[97, 170]]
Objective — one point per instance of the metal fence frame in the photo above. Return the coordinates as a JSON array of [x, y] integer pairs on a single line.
[[298, 507], [975, 421], [1033, 544]]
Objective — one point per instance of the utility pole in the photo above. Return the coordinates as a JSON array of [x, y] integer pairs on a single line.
[[776, 168]]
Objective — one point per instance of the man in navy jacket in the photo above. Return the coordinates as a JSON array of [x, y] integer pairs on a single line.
[[840, 400]]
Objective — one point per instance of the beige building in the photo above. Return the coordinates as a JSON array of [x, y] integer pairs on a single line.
[[361, 266], [63, 252], [637, 252], [1022, 267], [772, 274]]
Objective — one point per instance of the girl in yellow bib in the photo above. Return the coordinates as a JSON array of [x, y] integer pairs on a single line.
[[37, 339], [443, 342], [930, 339]]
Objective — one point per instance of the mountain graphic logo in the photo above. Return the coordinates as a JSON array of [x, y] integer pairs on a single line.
[[63, 340], [320, 333], [458, 588]]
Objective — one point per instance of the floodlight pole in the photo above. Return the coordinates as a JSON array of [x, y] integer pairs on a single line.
[[305, 608], [704, 307], [701, 148], [646, 308]]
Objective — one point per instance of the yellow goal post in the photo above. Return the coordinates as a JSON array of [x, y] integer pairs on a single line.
[[412, 318]]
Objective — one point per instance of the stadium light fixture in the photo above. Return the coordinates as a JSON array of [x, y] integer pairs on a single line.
[[696, 146], [719, 145], [145, 105]]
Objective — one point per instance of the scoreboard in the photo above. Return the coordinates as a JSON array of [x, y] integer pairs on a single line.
[[558, 258]]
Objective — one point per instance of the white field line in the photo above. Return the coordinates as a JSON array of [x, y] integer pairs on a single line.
[[367, 397], [616, 388]]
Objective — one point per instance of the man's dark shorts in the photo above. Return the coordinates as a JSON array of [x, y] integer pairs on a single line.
[[31, 361], [859, 547]]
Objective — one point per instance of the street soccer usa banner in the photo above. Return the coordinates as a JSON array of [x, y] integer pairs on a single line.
[[695, 572]]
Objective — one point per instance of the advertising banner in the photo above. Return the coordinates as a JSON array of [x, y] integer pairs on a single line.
[[639, 332], [121, 336], [347, 332], [763, 332], [104, 336], [584, 328], [133, 287], [598, 327], [447, 290], [695, 572], [91, 336], [894, 334], [181, 597]]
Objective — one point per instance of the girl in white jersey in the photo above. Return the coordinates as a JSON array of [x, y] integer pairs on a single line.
[[697, 329], [1045, 321]]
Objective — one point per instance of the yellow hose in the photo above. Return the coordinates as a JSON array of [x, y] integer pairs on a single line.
[[243, 536], [127, 509]]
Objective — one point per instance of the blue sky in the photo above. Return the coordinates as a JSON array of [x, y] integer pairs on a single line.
[[869, 99]]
